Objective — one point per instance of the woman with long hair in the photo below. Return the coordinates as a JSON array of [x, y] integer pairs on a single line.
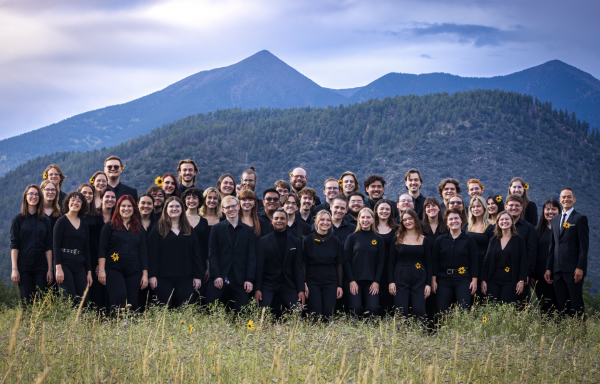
[[99, 181], [211, 209], [226, 185], [495, 206], [54, 174], [248, 211], [348, 183], [433, 224], [122, 257], [193, 199], [170, 185], [385, 226], [297, 228], [50, 201], [517, 186], [410, 266], [176, 265], [146, 208], [480, 229], [31, 245], [543, 290], [109, 200]]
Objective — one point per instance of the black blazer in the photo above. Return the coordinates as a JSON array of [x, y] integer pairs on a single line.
[[569, 249], [269, 265], [299, 229], [518, 260], [122, 190], [223, 255]]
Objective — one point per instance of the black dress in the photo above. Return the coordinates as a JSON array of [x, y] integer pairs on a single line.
[[482, 240]]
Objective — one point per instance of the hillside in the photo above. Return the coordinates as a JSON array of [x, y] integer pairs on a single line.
[[490, 135]]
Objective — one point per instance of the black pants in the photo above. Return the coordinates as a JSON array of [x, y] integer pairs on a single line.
[[410, 289], [288, 296], [501, 288], [30, 283], [545, 295], [232, 295], [322, 298], [452, 289], [386, 300], [363, 303], [98, 293], [174, 291], [123, 288], [569, 295], [75, 280]]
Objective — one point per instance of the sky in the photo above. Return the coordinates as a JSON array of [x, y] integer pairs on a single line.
[[59, 58]]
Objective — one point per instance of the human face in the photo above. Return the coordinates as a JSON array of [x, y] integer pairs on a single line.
[[279, 221], [517, 188], [247, 204], [227, 186], [174, 209], [405, 202], [126, 209], [169, 185], [567, 199], [476, 209], [87, 193], [356, 204], [408, 221], [366, 220], [505, 221], [339, 209], [298, 179], [456, 202], [248, 182], [492, 207], [100, 183], [109, 200], [474, 189], [113, 170], [375, 190], [454, 221], [514, 208], [324, 223], [145, 205], [348, 184], [432, 211], [54, 176], [192, 202], [33, 196], [187, 172], [331, 190], [290, 206], [283, 194], [271, 201], [75, 204], [384, 211], [159, 198], [212, 201], [231, 210], [448, 191], [413, 183], [49, 192], [306, 202], [550, 211]]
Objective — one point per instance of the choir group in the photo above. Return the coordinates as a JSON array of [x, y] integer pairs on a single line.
[[366, 255]]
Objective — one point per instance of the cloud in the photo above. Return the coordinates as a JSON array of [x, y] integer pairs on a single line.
[[478, 35], [424, 56], [36, 6]]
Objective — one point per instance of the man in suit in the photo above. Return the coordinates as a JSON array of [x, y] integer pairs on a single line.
[[113, 167], [279, 271], [232, 258], [569, 247]]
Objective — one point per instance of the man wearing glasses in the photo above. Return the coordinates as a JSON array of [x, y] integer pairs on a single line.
[[249, 179], [405, 201], [271, 204], [298, 179], [232, 258], [113, 167], [331, 189]]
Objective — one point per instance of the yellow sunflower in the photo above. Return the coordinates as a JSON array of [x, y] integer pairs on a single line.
[[374, 242], [115, 256], [317, 240], [482, 188], [291, 174], [92, 180], [506, 269], [122, 166], [159, 181], [499, 199], [251, 325], [484, 319], [566, 225], [461, 270], [526, 187], [418, 266], [341, 183], [45, 175]]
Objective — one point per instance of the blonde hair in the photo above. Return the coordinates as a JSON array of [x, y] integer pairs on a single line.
[[486, 214], [229, 197], [204, 207], [56, 212], [318, 218], [359, 226]]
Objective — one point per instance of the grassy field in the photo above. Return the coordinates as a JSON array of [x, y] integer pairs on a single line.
[[53, 342]]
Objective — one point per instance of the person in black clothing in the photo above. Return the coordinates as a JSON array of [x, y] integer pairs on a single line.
[[158, 196], [296, 228], [413, 182], [385, 226], [122, 256], [474, 188], [308, 198], [505, 266], [271, 202], [375, 188], [283, 187], [349, 184], [248, 213], [356, 202], [543, 290], [339, 224], [31, 245], [71, 248], [113, 167], [322, 258], [174, 257], [54, 174], [514, 207], [448, 188], [211, 209], [365, 254], [518, 186], [109, 200], [279, 270], [50, 202], [331, 189], [186, 175], [458, 203], [232, 258], [405, 202], [480, 229], [226, 185], [409, 269], [298, 179], [455, 265], [148, 221], [569, 246], [170, 186], [100, 182], [495, 206], [193, 199]]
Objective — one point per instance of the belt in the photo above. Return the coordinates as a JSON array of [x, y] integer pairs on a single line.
[[451, 271], [72, 251]]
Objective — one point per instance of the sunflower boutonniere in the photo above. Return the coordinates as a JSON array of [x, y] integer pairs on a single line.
[[374, 242], [115, 256], [566, 225], [45, 175], [159, 181], [418, 265], [507, 269], [482, 188]]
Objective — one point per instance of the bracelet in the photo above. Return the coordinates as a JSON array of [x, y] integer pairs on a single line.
[[101, 271]]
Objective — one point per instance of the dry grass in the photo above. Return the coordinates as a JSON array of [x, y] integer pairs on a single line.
[[51, 342]]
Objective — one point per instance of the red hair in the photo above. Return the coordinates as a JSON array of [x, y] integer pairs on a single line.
[[117, 221], [172, 176]]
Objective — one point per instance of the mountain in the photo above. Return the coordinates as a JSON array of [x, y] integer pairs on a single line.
[[489, 135]]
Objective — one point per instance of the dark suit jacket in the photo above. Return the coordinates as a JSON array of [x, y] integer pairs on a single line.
[[299, 229], [223, 255], [527, 230], [569, 249], [270, 264], [122, 190], [518, 260]]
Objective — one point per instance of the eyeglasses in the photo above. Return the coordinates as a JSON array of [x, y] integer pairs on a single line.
[[455, 203], [31, 194], [269, 199], [298, 177], [230, 207], [158, 196], [54, 174], [290, 203], [115, 167], [50, 190]]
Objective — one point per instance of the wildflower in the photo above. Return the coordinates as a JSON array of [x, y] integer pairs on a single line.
[[191, 328], [182, 322], [418, 265], [250, 325], [461, 270], [341, 183], [92, 180], [499, 199], [45, 175], [115, 256], [482, 188], [291, 174], [506, 269], [566, 225], [526, 187], [122, 166], [159, 181], [484, 319], [374, 242]]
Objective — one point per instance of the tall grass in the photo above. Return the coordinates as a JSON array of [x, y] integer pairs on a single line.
[[45, 343]]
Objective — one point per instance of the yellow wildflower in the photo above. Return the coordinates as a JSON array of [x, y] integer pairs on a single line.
[[122, 166], [159, 181], [526, 187], [461, 270], [115, 256], [374, 242], [418, 266], [250, 325], [566, 225], [506, 269], [484, 319], [92, 181], [499, 199]]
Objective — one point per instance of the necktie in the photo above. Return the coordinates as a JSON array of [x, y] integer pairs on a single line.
[[562, 222]]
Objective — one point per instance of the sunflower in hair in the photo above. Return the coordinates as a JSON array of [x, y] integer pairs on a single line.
[[159, 181], [499, 199], [45, 175], [92, 180], [341, 183], [526, 187]]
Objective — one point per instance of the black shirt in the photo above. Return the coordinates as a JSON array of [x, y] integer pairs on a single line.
[[388, 240], [202, 230], [418, 203], [32, 238], [543, 247], [531, 215], [67, 237], [122, 190], [527, 230], [181, 188], [53, 220], [350, 219], [61, 197], [503, 255], [310, 218], [323, 259], [174, 256], [450, 253], [371, 204], [482, 240], [281, 238], [343, 231], [365, 255], [323, 206], [266, 226], [95, 224], [432, 235], [131, 250], [417, 254], [299, 229]]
